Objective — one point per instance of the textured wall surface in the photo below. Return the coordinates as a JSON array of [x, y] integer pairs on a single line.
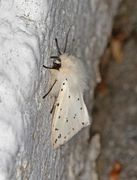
[[27, 33]]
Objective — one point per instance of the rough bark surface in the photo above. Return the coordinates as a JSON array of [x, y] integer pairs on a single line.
[[28, 30], [115, 115]]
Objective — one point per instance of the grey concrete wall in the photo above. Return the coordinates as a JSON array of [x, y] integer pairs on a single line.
[[28, 30]]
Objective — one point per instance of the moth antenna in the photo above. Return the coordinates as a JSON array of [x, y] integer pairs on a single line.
[[50, 89], [57, 46], [67, 39]]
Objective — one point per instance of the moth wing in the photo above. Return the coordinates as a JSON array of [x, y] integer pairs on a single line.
[[70, 116]]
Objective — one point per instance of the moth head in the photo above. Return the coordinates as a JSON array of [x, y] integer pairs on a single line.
[[56, 62], [57, 59]]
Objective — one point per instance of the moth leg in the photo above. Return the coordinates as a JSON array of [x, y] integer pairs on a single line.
[[50, 89], [56, 57], [53, 107], [55, 67], [48, 67]]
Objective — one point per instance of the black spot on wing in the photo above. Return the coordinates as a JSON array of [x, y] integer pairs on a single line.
[[59, 136], [73, 129], [57, 104], [81, 108], [78, 99], [63, 83], [56, 129], [59, 116], [55, 140], [69, 96], [82, 123], [61, 109], [65, 137], [61, 89]]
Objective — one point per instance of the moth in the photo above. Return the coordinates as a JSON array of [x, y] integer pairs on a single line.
[[69, 80]]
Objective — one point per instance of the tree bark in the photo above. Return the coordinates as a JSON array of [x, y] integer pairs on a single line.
[[28, 30]]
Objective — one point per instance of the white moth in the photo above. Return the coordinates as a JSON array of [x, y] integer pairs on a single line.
[[69, 82]]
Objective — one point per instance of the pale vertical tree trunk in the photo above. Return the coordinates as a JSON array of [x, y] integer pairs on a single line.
[[27, 33]]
